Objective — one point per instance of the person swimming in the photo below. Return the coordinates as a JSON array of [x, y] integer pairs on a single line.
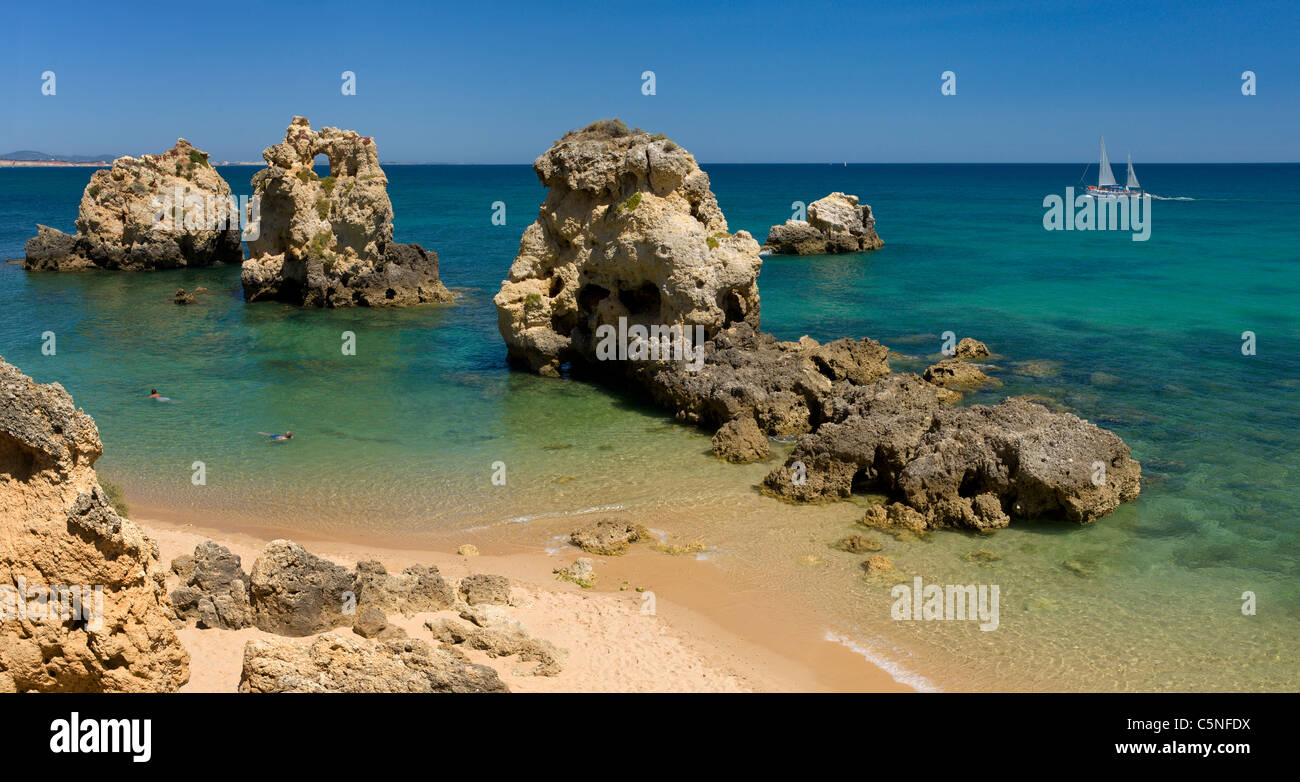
[[275, 438], [153, 394]]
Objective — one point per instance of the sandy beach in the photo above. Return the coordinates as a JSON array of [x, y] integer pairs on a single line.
[[707, 633]]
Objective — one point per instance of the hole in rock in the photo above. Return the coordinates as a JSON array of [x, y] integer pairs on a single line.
[[733, 309], [590, 296], [642, 300]]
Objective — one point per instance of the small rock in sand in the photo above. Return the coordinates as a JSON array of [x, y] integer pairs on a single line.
[[581, 572]]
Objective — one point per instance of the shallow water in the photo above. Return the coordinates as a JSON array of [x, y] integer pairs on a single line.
[[400, 440]]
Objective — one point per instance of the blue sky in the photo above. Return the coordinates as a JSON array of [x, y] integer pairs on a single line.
[[495, 82]]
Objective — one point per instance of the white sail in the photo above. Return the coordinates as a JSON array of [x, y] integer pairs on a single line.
[[1106, 176], [1132, 183]]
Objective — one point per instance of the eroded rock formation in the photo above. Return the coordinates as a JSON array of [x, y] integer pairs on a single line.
[[627, 236], [973, 467], [294, 592], [214, 588], [334, 662], [128, 218], [631, 230], [417, 588], [59, 535], [837, 223], [329, 242]]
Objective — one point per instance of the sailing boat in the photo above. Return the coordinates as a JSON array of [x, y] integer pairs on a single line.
[[1106, 186]]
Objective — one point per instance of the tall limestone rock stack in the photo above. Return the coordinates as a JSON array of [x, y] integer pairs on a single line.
[[837, 223], [128, 218], [329, 242], [61, 543], [629, 230]]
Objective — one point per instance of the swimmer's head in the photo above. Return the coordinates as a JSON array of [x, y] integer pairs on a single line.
[[288, 435], [153, 392]]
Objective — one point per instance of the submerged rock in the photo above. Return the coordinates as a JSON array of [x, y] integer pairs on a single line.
[[329, 242], [128, 218], [629, 230], [338, 663], [837, 223], [108, 625]]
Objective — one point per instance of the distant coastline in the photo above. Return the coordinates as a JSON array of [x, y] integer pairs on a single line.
[[53, 164]]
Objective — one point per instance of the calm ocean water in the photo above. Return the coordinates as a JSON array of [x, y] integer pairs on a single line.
[[1141, 337]]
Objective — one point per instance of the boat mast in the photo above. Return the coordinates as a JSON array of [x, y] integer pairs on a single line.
[[1132, 183]]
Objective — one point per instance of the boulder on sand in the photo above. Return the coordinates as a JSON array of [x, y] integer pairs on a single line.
[[214, 588], [334, 662], [740, 441], [294, 592]]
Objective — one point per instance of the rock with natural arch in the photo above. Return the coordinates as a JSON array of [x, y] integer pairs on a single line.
[[328, 242]]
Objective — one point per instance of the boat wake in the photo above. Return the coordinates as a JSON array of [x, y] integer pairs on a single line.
[[1170, 198]]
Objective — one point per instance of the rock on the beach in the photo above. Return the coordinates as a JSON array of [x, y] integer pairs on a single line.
[[57, 529], [607, 537], [582, 572], [214, 588], [334, 662], [500, 636], [740, 441], [974, 467], [484, 588], [329, 242], [837, 223], [296, 593], [372, 623], [121, 226], [416, 589], [631, 230]]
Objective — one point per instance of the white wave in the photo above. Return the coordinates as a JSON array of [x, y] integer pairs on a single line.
[[1170, 198], [896, 672]]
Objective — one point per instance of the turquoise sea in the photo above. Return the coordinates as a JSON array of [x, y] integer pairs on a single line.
[[398, 441]]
